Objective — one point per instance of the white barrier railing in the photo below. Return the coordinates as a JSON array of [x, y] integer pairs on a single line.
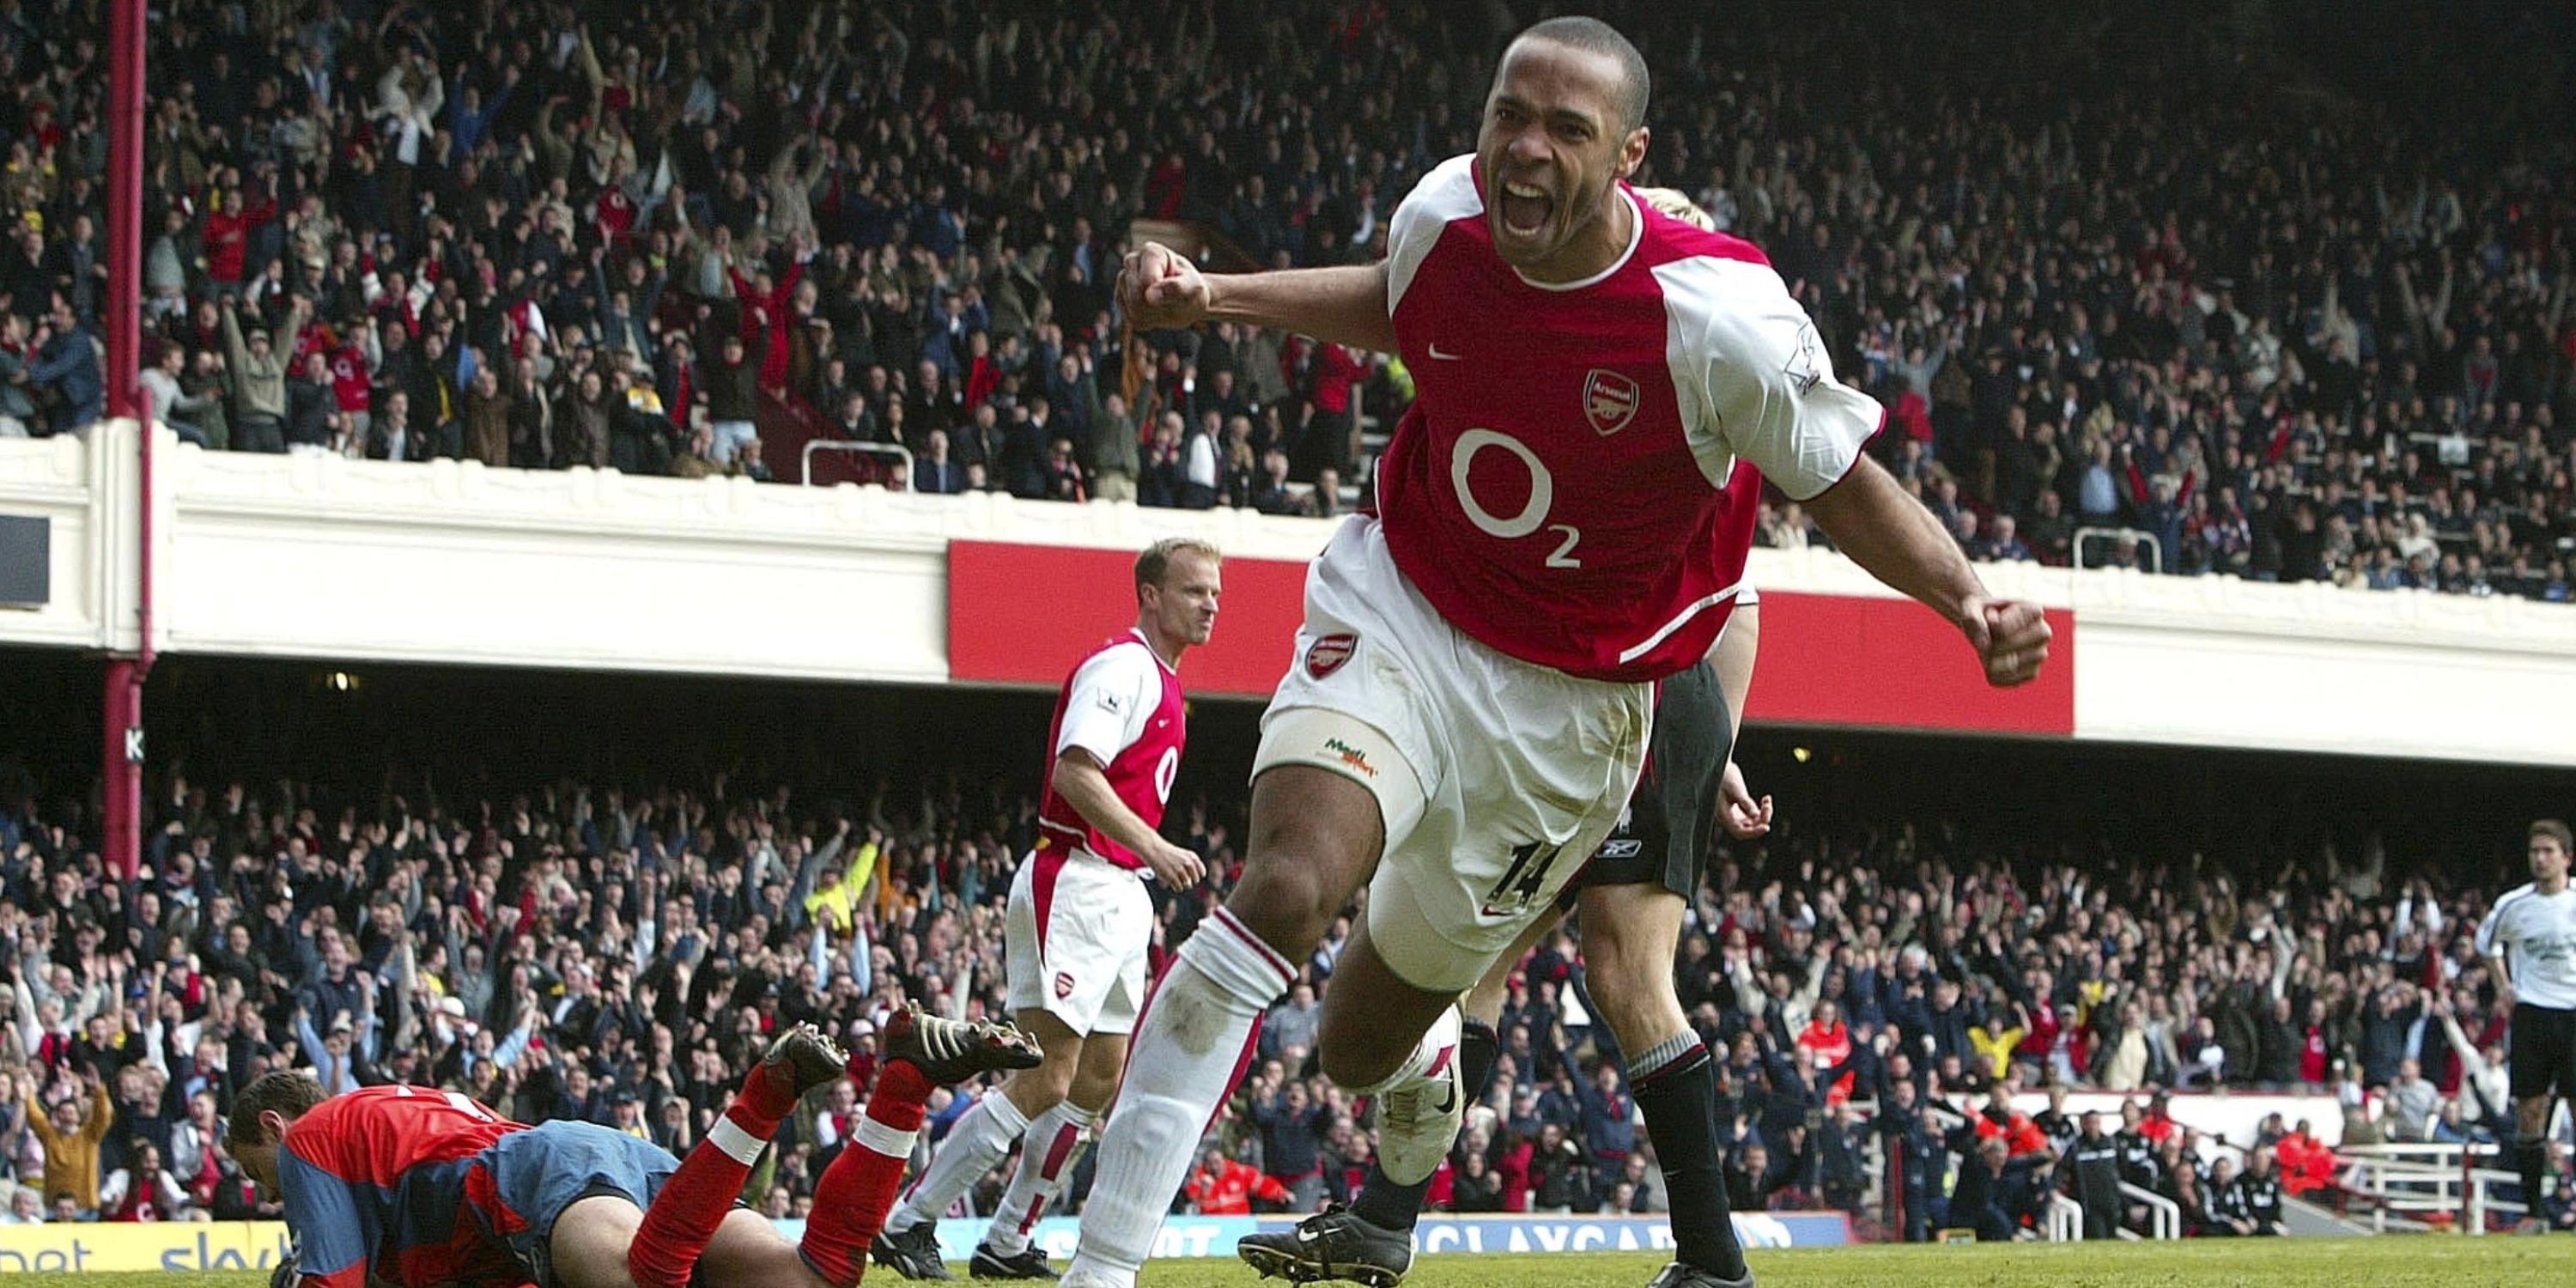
[[896, 452], [2065, 1219], [2164, 1216], [2130, 538], [2429, 1183]]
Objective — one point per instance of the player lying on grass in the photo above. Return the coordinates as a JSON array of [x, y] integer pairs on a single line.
[[418, 1187]]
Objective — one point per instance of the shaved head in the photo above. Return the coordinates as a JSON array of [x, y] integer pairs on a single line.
[[1563, 126], [1593, 36]]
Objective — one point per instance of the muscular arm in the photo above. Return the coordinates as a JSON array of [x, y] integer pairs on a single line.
[[1896, 540], [1159, 288], [30, 1030], [1749, 996], [102, 1113], [1738, 811], [323, 1212], [2491, 945], [2471, 1059], [1085, 786], [39, 1121], [1733, 657], [1345, 305]]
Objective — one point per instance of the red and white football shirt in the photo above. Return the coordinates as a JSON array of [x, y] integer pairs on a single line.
[[1123, 706], [1557, 487], [350, 377]]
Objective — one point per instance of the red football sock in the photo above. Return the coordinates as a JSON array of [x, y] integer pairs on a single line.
[[685, 1214], [769, 1095], [858, 1190]]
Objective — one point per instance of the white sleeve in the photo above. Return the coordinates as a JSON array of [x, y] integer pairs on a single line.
[[2488, 943], [1108, 702], [1447, 193], [1201, 468], [1758, 370]]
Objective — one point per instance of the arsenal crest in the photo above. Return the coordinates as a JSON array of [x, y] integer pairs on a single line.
[[1326, 655], [1063, 985], [1609, 400]]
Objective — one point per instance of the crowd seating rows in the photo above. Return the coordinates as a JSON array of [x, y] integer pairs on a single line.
[[2286, 331], [619, 955]]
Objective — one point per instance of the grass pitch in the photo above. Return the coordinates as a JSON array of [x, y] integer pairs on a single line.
[[2397, 1262]]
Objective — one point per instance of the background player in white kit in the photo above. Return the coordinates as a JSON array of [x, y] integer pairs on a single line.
[[1468, 705], [2529, 941], [1080, 921]]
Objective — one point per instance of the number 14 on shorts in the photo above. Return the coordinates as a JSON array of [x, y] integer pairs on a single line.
[[1523, 880]]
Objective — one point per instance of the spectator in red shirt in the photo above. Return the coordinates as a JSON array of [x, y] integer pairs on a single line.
[[227, 240], [2306, 1163], [353, 376], [1514, 1171], [765, 314], [2018, 1131], [1828, 1040], [1329, 440], [1225, 1187], [2158, 1126], [2314, 1050]]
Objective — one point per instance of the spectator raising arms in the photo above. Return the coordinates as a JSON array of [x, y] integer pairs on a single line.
[[2349, 356]]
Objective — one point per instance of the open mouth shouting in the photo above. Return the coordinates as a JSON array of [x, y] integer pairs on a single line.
[[1525, 210]]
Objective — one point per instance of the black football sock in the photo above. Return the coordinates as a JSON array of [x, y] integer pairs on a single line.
[[1479, 1048], [1389, 1206], [2532, 1158], [1676, 1089]]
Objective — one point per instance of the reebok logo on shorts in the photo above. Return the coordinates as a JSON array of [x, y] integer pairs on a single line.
[[1352, 758], [1326, 655], [1807, 363], [1063, 985], [1622, 848]]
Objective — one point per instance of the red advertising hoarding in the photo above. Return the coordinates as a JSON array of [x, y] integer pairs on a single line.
[[1021, 614]]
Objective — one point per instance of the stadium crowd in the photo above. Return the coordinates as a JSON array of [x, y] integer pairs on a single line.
[[618, 955], [2259, 323]]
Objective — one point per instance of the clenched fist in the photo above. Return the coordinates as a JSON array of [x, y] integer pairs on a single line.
[[1159, 288], [2011, 637]]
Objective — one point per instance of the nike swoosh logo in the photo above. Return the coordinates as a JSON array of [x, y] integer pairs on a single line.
[[1444, 357]]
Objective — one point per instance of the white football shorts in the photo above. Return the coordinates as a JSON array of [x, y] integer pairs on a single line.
[[1496, 778], [1075, 940]]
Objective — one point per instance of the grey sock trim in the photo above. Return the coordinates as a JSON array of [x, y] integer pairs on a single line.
[[1662, 1054]]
